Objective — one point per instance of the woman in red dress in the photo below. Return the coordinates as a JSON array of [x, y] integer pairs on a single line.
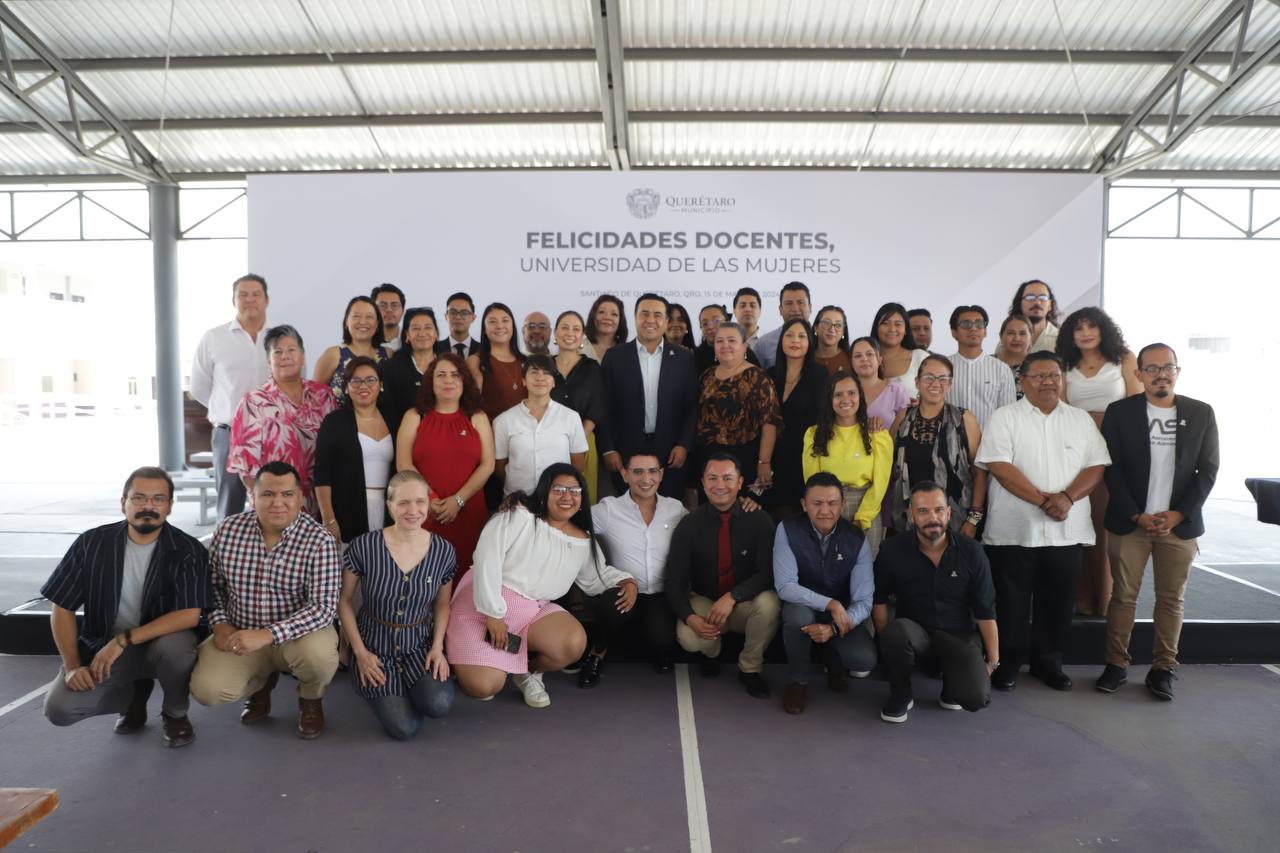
[[447, 439]]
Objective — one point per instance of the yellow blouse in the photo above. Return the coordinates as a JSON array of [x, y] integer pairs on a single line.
[[848, 459]]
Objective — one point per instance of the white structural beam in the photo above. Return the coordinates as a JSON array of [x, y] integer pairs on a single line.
[[613, 93]]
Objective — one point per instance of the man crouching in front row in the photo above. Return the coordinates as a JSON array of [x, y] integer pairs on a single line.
[[942, 583]]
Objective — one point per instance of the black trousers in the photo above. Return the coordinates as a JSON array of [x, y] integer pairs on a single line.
[[653, 614], [1035, 597], [905, 643]]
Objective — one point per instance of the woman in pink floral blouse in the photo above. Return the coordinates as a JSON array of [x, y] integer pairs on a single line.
[[280, 420]]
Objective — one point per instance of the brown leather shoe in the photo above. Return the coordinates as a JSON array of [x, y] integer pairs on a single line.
[[310, 718], [177, 731], [135, 716], [793, 699], [258, 705]]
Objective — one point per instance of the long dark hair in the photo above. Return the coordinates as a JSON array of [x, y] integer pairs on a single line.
[[468, 403], [622, 332], [486, 348], [1112, 345], [687, 341], [538, 500], [1016, 307], [875, 345], [843, 343], [887, 310], [779, 370], [825, 427], [408, 318], [378, 339]]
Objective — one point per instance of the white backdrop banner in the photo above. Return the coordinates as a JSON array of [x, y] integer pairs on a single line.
[[555, 240]]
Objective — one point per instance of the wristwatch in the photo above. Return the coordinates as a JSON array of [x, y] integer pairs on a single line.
[[975, 516], [461, 502]]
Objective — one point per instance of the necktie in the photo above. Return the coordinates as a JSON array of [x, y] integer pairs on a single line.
[[724, 562], [461, 350]]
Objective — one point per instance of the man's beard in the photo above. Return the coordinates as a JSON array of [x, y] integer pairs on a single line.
[[146, 523]]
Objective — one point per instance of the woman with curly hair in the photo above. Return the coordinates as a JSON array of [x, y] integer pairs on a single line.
[[1100, 371], [842, 443]]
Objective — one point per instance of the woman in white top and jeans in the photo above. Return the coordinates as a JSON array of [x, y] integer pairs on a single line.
[[529, 554], [1100, 371]]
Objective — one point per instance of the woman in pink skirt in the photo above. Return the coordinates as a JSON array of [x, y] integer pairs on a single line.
[[529, 554]]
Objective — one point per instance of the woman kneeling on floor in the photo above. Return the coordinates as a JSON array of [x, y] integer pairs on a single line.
[[529, 554], [405, 577]]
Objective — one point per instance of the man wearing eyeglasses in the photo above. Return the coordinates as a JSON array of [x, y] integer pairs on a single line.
[[1165, 448], [390, 302], [142, 584], [1035, 301], [537, 334], [981, 383], [460, 313], [1045, 457]]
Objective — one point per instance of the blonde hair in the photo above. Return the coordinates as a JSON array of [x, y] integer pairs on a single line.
[[400, 478]]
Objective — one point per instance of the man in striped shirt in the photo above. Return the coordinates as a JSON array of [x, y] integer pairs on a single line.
[[981, 383], [276, 578], [142, 584]]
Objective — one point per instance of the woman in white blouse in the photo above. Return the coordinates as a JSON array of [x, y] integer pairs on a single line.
[[900, 359], [530, 553], [537, 431], [1100, 371]]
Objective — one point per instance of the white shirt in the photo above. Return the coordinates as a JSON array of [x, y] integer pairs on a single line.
[[635, 547], [530, 445], [533, 559], [1094, 393], [392, 345], [766, 347], [1162, 433], [981, 385], [1050, 450], [650, 370], [228, 364], [907, 381]]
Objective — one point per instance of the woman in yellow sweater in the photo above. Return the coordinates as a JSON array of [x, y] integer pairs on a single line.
[[842, 444]]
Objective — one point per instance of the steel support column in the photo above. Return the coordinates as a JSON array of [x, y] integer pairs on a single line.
[[164, 253]]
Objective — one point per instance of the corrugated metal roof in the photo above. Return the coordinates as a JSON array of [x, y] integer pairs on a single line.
[[754, 85], [746, 144], [37, 154], [1242, 148], [1018, 87], [958, 146], [498, 87]]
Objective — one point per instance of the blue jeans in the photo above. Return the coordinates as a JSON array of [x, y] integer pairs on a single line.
[[401, 716]]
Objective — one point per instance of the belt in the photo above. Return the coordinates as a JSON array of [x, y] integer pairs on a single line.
[[222, 426], [397, 625]]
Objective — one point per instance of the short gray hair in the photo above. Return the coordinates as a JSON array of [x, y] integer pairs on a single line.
[[275, 333]]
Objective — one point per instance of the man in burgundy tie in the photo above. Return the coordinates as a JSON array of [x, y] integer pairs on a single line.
[[720, 576]]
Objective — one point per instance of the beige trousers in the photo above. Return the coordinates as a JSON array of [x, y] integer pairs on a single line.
[[221, 677], [757, 619], [1171, 563]]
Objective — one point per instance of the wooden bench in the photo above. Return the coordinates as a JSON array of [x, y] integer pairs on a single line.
[[197, 486], [23, 808]]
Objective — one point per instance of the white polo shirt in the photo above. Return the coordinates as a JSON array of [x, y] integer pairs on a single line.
[[637, 548], [227, 365], [530, 445], [1050, 450]]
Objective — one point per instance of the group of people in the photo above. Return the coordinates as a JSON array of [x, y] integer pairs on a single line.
[[451, 510]]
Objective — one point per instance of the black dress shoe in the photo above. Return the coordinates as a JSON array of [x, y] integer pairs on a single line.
[[1005, 678], [135, 716], [1055, 678], [177, 731], [709, 667], [589, 675], [757, 687]]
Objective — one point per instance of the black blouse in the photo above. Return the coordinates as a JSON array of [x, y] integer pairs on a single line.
[[340, 465], [401, 382], [582, 390], [799, 412]]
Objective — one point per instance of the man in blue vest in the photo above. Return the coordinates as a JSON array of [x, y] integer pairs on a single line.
[[822, 571]]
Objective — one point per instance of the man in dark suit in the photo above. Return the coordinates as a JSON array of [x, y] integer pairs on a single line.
[[459, 314], [1164, 452], [652, 398]]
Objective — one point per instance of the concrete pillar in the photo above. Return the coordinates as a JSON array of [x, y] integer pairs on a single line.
[[164, 252]]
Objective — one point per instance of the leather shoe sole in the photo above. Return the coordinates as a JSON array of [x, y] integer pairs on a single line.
[[258, 704]]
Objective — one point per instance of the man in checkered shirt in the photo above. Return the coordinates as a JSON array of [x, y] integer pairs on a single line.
[[276, 578]]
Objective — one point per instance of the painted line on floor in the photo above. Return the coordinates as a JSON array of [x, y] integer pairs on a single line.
[[1241, 581], [1272, 667], [695, 796], [31, 556], [1242, 563], [19, 702]]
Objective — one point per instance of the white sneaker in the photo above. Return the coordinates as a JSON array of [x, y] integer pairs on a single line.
[[859, 673], [535, 694], [947, 705]]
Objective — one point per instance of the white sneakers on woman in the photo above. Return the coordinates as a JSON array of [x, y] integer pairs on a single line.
[[531, 686]]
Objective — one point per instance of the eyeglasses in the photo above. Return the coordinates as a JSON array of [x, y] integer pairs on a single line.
[[364, 382], [932, 378], [713, 321], [561, 491], [1056, 376], [967, 325], [139, 499], [538, 327], [1037, 297], [387, 306], [459, 312], [832, 324], [1154, 370]]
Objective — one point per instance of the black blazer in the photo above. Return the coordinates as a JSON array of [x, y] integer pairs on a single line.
[[623, 427], [1195, 466], [401, 383], [340, 465], [446, 345]]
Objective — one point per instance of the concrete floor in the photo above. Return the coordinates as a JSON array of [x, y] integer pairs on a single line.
[[603, 770]]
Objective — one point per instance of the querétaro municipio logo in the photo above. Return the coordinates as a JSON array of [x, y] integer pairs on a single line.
[[643, 203]]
